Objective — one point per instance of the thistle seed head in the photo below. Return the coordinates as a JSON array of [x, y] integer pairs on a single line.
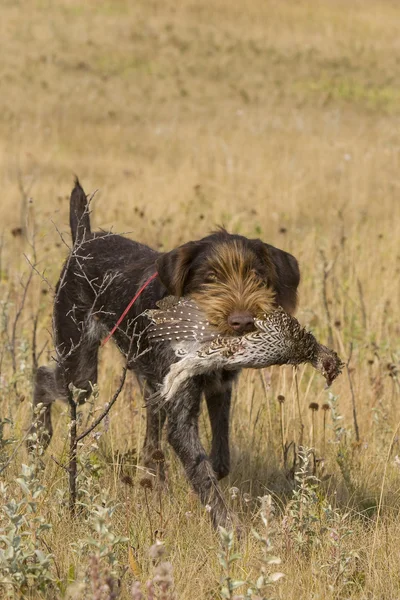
[[146, 483], [158, 456]]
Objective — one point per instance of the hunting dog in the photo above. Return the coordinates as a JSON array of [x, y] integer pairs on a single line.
[[233, 280]]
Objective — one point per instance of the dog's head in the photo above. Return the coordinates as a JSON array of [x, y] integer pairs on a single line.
[[232, 278]]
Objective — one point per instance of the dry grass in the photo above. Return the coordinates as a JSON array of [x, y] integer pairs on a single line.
[[278, 120]]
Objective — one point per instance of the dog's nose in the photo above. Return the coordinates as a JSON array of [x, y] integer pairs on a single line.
[[241, 321]]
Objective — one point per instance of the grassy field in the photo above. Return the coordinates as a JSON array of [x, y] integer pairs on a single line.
[[279, 120]]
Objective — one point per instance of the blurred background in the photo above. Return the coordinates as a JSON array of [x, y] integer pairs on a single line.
[[275, 119]]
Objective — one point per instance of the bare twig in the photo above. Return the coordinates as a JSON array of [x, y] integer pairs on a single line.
[[17, 317], [109, 405], [298, 396], [73, 445], [41, 275], [34, 343], [282, 427], [24, 191], [362, 304], [59, 464], [326, 270], [353, 400], [13, 454], [265, 389], [75, 438]]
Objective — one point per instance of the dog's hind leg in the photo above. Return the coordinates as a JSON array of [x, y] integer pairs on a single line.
[[77, 350], [45, 393], [77, 335], [79, 368]]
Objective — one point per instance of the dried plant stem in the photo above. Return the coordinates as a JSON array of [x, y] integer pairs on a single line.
[[378, 514], [362, 304], [34, 344], [159, 491], [301, 435], [13, 340], [298, 407], [148, 513], [108, 407], [24, 191], [313, 428], [281, 412], [75, 438], [326, 269], [353, 400], [15, 452], [160, 506], [73, 445], [265, 388], [35, 354]]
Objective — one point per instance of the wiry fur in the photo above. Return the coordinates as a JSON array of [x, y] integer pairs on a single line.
[[102, 274], [233, 284]]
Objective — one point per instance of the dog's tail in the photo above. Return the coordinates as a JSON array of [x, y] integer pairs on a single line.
[[79, 216]]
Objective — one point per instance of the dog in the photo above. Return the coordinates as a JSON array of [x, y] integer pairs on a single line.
[[233, 279]]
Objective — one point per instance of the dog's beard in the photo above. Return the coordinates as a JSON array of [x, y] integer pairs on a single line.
[[219, 300]]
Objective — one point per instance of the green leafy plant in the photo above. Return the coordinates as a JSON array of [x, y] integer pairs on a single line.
[[25, 565], [267, 576]]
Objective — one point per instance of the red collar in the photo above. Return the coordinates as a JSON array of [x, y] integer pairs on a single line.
[[131, 303]]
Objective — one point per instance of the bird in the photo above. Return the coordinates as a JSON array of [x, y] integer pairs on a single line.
[[277, 339]]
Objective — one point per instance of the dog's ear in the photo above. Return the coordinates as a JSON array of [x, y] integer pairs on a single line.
[[287, 277], [173, 267]]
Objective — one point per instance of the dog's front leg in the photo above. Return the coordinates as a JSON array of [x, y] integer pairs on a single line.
[[218, 405], [155, 420], [183, 435], [218, 393], [154, 425]]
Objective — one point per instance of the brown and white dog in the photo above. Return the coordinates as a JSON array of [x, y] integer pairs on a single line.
[[233, 280]]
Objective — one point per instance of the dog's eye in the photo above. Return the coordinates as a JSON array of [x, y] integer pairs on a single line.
[[262, 279], [211, 278]]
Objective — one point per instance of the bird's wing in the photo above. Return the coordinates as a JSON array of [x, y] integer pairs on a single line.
[[179, 319]]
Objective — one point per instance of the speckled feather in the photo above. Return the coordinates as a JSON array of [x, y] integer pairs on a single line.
[[278, 339], [179, 319]]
